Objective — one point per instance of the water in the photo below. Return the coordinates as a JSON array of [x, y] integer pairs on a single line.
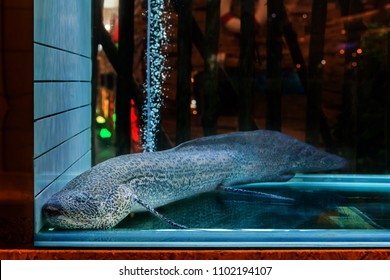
[[329, 211]]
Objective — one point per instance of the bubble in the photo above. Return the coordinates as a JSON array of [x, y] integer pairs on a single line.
[[156, 72]]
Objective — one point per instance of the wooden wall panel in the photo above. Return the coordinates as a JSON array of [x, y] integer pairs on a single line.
[[51, 165], [18, 144], [19, 35], [51, 132], [64, 25], [57, 65], [3, 110], [16, 94], [51, 98], [19, 4], [62, 97], [19, 64]]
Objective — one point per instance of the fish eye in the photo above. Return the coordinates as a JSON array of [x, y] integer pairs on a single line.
[[81, 198]]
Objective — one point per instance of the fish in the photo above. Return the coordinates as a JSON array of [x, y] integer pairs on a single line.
[[104, 195]]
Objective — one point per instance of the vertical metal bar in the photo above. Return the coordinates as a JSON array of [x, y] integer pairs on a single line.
[[315, 67], [247, 70], [274, 65], [349, 122], [97, 20], [183, 96], [210, 50], [198, 41], [387, 124], [291, 38], [125, 74]]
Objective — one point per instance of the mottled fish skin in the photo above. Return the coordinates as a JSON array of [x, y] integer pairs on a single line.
[[104, 195]]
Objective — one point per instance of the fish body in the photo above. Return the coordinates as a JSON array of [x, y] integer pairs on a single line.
[[104, 195]]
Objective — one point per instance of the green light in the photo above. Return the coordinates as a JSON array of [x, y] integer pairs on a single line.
[[114, 117], [100, 120], [105, 133]]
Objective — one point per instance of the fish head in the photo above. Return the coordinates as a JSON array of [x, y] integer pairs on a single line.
[[81, 207]]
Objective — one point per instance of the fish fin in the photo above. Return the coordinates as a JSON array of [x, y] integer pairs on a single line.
[[157, 214], [216, 142], [286, 177], [255, 193]]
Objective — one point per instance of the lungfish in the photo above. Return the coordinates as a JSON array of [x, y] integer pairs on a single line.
[[104, 195]]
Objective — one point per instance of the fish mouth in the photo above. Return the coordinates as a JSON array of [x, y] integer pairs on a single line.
[[51, 211], [52, 208], [57, 216]]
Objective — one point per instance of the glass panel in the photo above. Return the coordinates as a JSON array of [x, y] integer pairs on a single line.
[[314, 70]]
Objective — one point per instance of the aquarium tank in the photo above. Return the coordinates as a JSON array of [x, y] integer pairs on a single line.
[[212, 124]]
